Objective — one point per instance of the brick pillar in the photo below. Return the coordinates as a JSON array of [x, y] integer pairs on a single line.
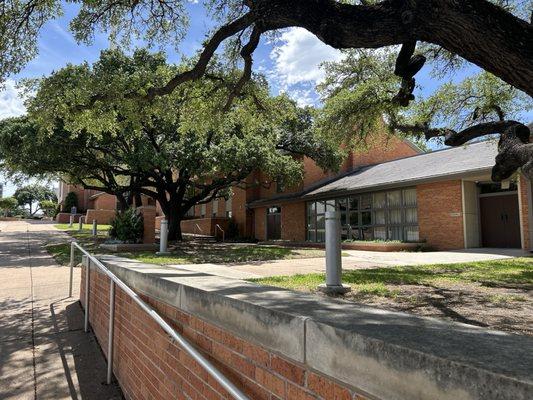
[[148, 213]]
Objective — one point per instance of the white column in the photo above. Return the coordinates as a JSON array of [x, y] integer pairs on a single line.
[[163, 238], [333, 283]]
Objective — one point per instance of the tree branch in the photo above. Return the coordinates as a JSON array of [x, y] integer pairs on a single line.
[[246, 54]]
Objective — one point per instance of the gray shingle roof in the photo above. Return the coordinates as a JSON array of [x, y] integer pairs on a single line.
[[477, 157]]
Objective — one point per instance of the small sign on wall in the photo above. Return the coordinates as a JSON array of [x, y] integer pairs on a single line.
[[455, 214]]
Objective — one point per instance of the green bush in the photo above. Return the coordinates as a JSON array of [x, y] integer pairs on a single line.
[[48, 207], [71, 200], [8, 205], [127, 227]]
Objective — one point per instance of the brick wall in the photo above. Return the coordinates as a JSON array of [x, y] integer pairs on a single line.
[[260, 223], [293, 222], [440, 216], [149, 214], [101, 216], [64, 218], [148, 365], [104, 202], [207, 226]]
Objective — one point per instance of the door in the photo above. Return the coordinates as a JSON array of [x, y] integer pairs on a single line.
[[274, 223], [500, 221]]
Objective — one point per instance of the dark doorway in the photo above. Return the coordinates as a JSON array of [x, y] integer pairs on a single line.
[[274, 223], [500, 221]]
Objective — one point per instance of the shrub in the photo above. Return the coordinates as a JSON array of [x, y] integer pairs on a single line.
[[127, 227], [8, 205], [71, 200], [48, 207]]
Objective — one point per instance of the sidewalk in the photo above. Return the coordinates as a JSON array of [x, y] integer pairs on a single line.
[[44, 353], [352, 259]]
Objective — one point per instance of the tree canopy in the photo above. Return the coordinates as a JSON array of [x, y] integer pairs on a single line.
[[34, 193], [495, 35], [181, 150], [8, 205]]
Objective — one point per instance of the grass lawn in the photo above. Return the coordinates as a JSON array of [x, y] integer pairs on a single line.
[[86, 227], [184, 253], [227, 254], [496, 293]]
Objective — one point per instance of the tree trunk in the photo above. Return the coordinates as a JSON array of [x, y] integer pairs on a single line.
[[122, 203], [174, 217]]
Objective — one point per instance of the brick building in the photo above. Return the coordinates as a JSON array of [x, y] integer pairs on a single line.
[[390, 191]]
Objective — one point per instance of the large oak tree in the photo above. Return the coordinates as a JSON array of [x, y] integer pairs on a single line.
[[495, 35], [181, 150]]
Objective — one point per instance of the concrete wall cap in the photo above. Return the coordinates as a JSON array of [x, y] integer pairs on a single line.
[[389, 355]]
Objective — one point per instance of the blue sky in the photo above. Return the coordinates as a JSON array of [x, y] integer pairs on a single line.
[[291, 63]]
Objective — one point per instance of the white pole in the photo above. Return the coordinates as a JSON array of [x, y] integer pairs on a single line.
[[72, 254], [95, 227], [163, 238], [71, 221], [333, 283]]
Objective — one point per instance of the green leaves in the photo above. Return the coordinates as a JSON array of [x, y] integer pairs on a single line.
[[359, 91], [87, 124]]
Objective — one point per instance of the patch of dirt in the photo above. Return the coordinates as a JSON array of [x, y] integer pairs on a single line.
[[505, 309]]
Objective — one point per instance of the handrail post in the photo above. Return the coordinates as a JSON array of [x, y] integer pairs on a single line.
[[175, 336], [72, 254], [87, 288], [111, 331]]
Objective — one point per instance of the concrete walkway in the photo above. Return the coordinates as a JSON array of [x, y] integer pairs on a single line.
[[353, 259], [44, 353]]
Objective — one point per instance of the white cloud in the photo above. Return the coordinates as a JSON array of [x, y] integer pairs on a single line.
[[303, 97], [297, 56], [11, 102]]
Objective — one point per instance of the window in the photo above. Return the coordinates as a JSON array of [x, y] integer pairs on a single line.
[[214, 209], [229, 204], [390, 215], [202, 210]]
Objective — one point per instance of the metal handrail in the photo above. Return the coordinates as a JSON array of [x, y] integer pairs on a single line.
[[197, 226], [221, 230], [189, 348]]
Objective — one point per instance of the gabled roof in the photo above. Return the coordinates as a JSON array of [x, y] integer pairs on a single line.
[[472, 159], [447, 163]]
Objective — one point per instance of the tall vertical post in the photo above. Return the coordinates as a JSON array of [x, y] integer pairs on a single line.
[[111, 331], [333, 283], [80, 225], [70, 221], [87, 288], [95, 227], [163, 238], [72, 255]]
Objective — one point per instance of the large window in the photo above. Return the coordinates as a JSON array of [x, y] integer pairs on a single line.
[[388, 215]]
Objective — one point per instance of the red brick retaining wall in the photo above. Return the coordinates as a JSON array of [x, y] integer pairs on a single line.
[[148, 365], [102, 216]]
